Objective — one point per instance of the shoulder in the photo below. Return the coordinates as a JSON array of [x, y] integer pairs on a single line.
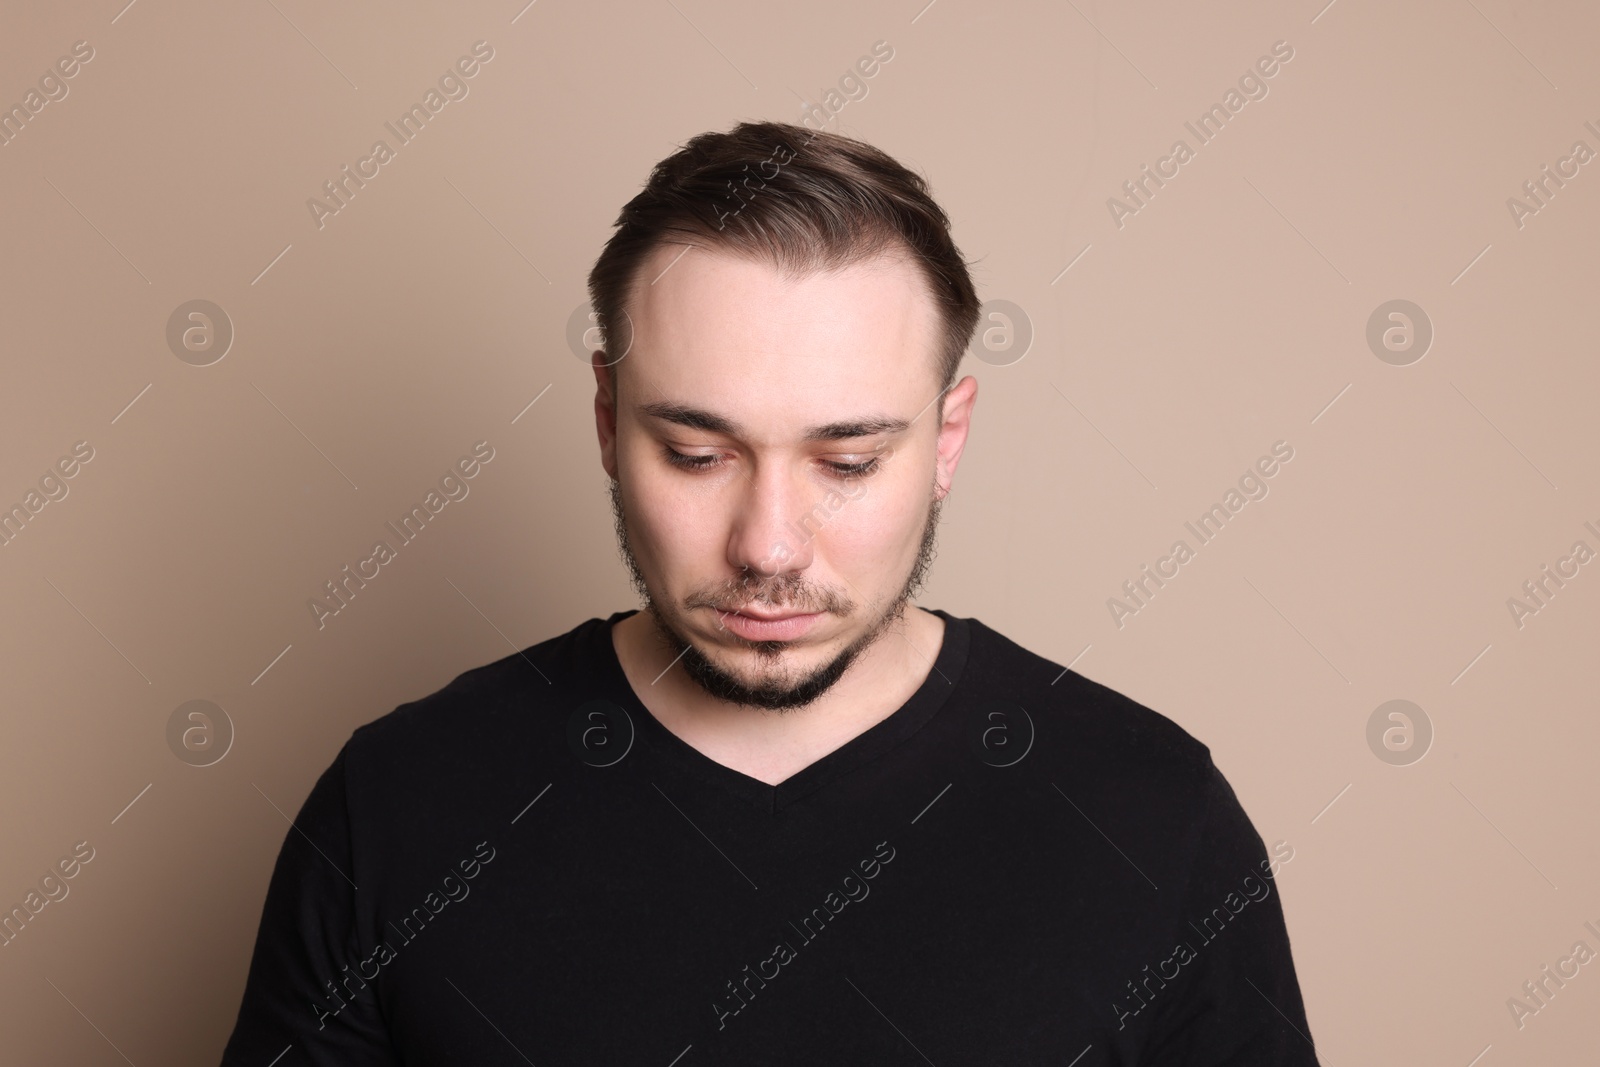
[[483, 714], [1116, 768], [1086, 729]]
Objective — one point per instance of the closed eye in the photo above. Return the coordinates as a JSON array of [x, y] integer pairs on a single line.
[[705, 463]]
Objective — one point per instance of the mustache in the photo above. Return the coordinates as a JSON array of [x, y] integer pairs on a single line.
[[786, 591]]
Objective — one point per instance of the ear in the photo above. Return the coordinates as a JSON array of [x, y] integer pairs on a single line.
[[605, 410], [958, 404]]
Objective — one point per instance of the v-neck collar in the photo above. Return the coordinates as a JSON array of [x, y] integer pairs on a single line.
[[866, 746]]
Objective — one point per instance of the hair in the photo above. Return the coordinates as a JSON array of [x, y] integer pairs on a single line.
[[832, 201]]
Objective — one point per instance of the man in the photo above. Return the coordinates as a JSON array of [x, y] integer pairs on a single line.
[[781, 815]]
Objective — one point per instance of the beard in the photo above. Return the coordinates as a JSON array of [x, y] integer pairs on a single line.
[[789, 690]]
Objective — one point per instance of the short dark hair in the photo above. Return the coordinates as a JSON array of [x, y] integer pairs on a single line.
[[829, 201]]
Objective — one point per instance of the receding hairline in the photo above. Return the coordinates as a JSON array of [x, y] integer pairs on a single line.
[[871, 254], [884, 251]]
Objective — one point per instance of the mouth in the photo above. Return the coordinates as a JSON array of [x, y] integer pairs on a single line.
[[760, 616], [780, 625]]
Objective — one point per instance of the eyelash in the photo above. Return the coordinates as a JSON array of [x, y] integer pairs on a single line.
[[840, 470]]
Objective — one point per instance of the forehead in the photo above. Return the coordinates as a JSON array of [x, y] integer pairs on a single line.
[[741, 338]]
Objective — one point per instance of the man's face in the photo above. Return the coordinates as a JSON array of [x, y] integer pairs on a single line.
[[814, 461]]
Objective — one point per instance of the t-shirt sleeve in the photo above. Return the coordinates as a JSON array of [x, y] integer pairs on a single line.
[[1237, 998], [308, 938]]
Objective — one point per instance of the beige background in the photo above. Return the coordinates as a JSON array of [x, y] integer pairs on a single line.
[[1229, 313]]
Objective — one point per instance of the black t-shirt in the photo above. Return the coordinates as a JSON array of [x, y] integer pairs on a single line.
[[1018, 866]]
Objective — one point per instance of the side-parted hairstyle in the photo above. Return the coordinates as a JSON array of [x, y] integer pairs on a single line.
[[802, 200]]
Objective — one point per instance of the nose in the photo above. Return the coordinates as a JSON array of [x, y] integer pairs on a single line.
[[772, 527]]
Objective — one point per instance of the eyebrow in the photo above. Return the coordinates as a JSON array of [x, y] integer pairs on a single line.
[[711, 422]]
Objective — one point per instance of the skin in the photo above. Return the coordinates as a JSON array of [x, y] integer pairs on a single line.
[[769, 524]]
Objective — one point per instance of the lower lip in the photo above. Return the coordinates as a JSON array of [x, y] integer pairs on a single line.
[[768, 630]]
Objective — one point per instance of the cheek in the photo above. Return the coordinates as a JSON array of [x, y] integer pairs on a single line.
[[670, 526], [650, 511], [880, 529]]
